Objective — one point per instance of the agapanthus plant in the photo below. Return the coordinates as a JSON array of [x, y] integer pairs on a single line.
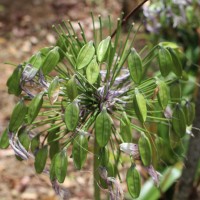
[[83, 96]]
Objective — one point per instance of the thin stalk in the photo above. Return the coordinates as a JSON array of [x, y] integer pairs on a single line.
[[95, 171]]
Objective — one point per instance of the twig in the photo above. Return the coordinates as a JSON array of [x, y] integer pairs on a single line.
[[126, 18]]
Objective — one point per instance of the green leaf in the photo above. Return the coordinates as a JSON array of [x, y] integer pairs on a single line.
[[135, 66], [133, 181], [34, 107], [92, 71], [40, 159], [85, 55], [72, 90], [102, 128], [72, 116], [165, 61], [145, 150], [53, 90], [139, 103], [102, 50], [13, 82], [178, 121], [51, 60], [18, 116], [61, 166], [4, 140], [79, 151]]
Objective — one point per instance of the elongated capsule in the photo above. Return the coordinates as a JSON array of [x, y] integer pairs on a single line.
[[60, 166], [145, 150], [133, 181], [79, 151], [139, 103], [72, 116], [165, 61], [92, 71], [13, 82], [135, 66], [102, 49], [178, 121], [40, 159], [102, 128], [51, 60], [163, 94], [125, 128], [189, 110], [85, 55], [18, 116], [34, 107]]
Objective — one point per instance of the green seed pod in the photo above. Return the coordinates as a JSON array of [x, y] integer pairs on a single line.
[[85, 55], [51, 60], [189, 111], [135, 66], [72, 116], [163, 94], [52, 173], [72, 90], [92, 71], [35, 143], [145, 150], [125, 128], [102, 49], [4, 140], [133, 181], [53, 141], [61, 166], [178, 121], [24, 138], [160, 146], [40, 159], [102, 128], [53, 91], [176, 66], [140, 107], [13, 82], [34, 107], [104, 156], [79, 151], [165, 61], [18, 116], [175, 91]]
